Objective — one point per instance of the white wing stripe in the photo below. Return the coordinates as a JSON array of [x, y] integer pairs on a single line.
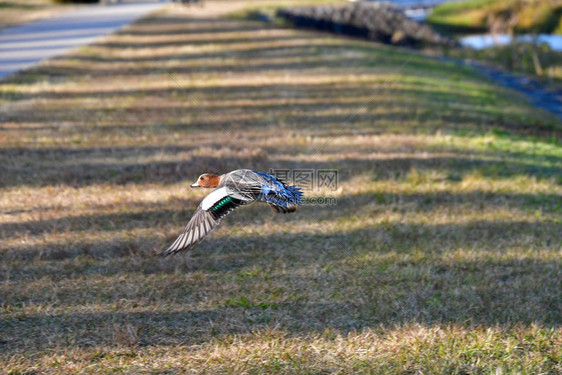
[[213, 198]]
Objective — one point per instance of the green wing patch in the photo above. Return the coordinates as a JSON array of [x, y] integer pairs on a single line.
[[224, 206]]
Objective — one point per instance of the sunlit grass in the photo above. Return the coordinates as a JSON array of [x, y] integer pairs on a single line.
[[442, 254]]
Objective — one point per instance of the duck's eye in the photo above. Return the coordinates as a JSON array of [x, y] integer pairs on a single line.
[[202, 178]]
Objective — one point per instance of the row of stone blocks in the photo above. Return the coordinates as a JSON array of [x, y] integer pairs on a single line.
[[382, 22]]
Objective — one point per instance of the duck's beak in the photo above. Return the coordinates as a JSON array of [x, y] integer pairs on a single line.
[[195, 185]]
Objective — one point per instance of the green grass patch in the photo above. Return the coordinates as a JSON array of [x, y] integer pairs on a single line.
[[476, 15]]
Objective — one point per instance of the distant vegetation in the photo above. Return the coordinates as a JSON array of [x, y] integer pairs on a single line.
[[520, 57], [506, 16], [520, 16]]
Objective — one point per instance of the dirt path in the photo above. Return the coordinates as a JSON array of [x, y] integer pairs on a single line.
[[26, 45]]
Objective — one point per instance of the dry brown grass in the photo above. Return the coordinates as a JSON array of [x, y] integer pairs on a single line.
[[441, 256]]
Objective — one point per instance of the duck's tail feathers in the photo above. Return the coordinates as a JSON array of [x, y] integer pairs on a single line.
[[294, 193], [283, 209]]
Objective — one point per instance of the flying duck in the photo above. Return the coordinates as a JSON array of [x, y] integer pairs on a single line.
[[234, 189]]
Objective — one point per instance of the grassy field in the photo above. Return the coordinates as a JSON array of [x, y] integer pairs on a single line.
[[442, 255]]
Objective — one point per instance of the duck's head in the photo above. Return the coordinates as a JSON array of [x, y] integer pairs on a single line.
[[207, 180]]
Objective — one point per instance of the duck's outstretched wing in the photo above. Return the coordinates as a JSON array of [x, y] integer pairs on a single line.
[[208, 215]]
